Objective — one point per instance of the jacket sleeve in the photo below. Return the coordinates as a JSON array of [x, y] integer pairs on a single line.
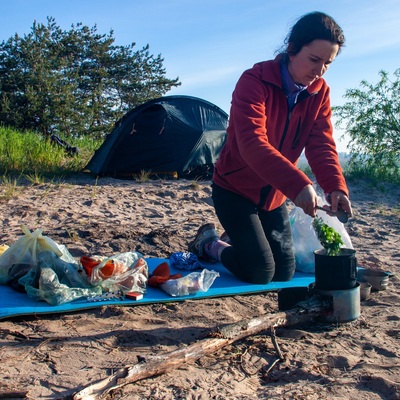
[[257, 146], [321, 150]]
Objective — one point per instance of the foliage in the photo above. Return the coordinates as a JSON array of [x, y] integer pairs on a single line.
[[328, 237], [371, 119], [358, 170], [35, 156], [75, 82]]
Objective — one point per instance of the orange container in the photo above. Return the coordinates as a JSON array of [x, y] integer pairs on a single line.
[[89, 263]]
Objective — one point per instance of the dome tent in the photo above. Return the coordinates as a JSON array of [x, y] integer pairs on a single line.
[[177, 135]]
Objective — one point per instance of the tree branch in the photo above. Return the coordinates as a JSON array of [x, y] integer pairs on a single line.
[[216, 339]]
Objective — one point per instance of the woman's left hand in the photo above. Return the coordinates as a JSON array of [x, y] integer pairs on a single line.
[[339, 199]]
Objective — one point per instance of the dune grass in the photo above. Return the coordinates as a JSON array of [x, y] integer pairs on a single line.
[[30, 156]]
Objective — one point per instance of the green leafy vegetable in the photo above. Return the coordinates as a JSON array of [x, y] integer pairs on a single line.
[[329, 238]]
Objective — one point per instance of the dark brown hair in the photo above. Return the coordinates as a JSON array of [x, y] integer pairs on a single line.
[[313, 26]]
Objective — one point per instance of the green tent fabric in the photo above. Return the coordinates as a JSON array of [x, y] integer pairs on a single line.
[[179, 134]]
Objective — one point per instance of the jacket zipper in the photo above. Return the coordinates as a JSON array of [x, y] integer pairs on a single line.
[[285, 129], [295, 142], [265, 191], [296, 139]]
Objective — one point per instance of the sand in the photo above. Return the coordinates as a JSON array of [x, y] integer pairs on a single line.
[[54, 356]]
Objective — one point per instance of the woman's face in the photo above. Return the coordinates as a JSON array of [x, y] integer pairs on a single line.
[[312, 61]]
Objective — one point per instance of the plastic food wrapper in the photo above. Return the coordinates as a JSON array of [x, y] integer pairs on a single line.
[[305, 239], [185, 260], [25, 251], [127, 272], [190, 284], [3, 248], [56, 281]]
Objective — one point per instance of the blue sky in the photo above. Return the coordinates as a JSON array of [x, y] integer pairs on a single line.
[[209, 43]]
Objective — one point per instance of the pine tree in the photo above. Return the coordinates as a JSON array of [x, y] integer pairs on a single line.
[[75, 82]]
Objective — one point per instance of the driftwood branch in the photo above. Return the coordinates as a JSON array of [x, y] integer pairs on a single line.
[[217, 339], [14, 395]]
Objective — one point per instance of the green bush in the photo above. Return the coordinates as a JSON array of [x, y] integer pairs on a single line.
[[370, 117]]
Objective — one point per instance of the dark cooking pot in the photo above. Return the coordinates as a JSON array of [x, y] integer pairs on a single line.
[[335, 272]]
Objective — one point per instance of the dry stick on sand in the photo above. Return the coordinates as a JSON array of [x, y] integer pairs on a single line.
[[217, 339], [14, 395]]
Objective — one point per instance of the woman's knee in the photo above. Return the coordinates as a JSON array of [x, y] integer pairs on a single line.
[[259, 271], [260, 277], [263, 273], [285, 270], [264, 276]]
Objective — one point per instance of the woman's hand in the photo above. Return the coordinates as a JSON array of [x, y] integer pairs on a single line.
[[307, 200], [338, 199]]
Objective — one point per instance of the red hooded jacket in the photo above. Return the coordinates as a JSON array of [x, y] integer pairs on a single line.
[[265, 140]]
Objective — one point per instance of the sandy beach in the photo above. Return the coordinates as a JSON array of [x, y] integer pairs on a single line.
[[55, 356]]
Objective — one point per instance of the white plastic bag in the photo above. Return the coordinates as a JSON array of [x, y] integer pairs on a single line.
[[305, 239]]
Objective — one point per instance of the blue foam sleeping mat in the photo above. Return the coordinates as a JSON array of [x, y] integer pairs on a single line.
[[13, 303]]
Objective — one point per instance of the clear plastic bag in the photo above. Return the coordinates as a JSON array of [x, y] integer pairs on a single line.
[[305, 239], [127, 272], [25, 251], [56, 281], [190, 284], [55, 293]]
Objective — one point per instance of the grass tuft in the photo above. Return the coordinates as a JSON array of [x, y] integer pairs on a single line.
[[29, 151]]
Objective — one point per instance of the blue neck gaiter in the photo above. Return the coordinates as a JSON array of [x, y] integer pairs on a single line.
[[291, 89]]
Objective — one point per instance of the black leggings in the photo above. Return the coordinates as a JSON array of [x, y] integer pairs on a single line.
[[262, 244]]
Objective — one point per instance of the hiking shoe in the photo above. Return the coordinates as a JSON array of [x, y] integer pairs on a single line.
[[206, 234]]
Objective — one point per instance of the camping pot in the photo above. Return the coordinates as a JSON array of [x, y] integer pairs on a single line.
[[337, 272], [345, 304], [377, 279], [365, 291]]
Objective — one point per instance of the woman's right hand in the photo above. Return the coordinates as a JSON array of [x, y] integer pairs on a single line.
[[307, 200]]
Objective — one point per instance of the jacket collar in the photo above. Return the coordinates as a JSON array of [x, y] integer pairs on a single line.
[[271, 73]]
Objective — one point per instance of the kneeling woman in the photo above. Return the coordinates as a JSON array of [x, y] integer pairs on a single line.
[[279, 108]]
